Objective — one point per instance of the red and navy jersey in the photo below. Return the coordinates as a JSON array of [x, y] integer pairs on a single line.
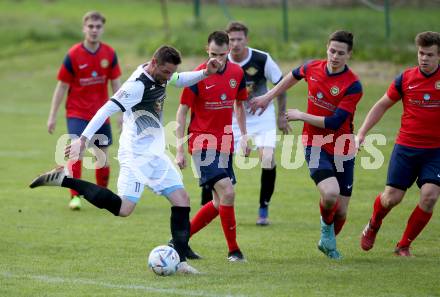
[[420, 95], [212, 105], [326, 93], [87, 74]]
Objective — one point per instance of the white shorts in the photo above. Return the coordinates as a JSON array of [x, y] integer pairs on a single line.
[[156, 172], [261, 129]]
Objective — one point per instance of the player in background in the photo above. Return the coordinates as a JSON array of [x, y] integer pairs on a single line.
[[84, 75], [333, 93], [258, 68], [212, 103], [416, 154], [142, 157]]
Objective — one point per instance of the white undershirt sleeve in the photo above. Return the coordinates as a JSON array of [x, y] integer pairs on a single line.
[[98, 120], [186, 79]]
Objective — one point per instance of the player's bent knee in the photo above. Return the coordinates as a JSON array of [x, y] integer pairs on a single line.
[[391, 197], [227, 198], [330, 196], [179, 198], [127, 208], [428, 200]]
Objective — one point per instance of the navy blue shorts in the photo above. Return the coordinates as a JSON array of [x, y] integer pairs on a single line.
[[213, 166], [408, 164], [325, 165], [102, 137]]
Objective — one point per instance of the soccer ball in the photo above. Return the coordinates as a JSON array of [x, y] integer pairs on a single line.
[[163, 260]]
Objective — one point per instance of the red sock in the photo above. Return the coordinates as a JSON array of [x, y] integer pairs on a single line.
[[75, 171], [379, 213], [203, 217], [328, 214], [416, 222], [227, 217], [339, 223], [102, 176]]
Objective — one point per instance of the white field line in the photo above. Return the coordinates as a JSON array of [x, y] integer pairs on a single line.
[[77, 281]]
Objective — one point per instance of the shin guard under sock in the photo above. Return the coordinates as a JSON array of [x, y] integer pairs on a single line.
[[96, 195]]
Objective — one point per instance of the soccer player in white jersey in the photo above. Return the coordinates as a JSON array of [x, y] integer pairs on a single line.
[[259, 68], [141, 155]]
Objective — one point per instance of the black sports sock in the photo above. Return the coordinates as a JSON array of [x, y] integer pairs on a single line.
[[180, 229], [206, 195], [96, 195], [268, 177]]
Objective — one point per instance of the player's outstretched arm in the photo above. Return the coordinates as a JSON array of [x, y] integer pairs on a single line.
[[189, 78], [261, 102], [182, 111], [58, 96], [297, 115], [374, 116]]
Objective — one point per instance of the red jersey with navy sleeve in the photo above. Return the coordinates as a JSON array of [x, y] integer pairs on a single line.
[[420, 95], [87, 74], [326, 93], [212, 104]]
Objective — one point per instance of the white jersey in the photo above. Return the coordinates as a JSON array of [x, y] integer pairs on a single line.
[[141, 99], [141, 152], [259, 68]]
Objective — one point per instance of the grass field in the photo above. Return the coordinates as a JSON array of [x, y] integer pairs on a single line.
[[136, 26], [48, 250]]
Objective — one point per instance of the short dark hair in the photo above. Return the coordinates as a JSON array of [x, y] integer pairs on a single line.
[[342, 36], [167, 54], [94, 15], [428, 38], [237, 27], [219, 37]]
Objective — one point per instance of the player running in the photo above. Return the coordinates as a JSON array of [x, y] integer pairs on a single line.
[[212, 103], [333, 93], [416, 154]]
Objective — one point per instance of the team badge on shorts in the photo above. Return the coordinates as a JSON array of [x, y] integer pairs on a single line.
[[334, 90], [437, 85], [232, 83], [104, 63]]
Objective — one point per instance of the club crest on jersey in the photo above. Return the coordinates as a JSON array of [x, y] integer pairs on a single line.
[[334, 90], [232, 83], [223, 97], [251, 71], [437, 85], [426, 97], [319, 95], [104, 63]]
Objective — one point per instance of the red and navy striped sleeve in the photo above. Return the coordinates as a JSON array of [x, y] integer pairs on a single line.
[[300, 72], [351, 97], [395, 91], [115, 69], [189, 94], [66, 72]]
